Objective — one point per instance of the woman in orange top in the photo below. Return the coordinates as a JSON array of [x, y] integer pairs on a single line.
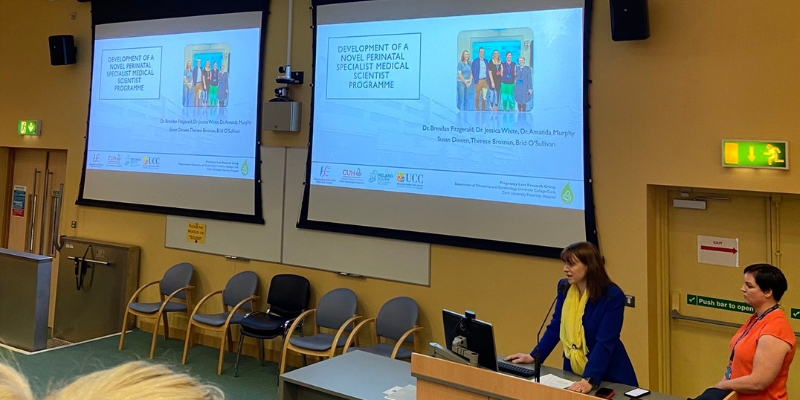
[[763, 348]]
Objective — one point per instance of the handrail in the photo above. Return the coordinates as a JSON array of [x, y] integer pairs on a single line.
[[89, 260], [677, 315]]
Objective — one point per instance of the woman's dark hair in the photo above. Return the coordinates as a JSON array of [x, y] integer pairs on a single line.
[[768, 277], [597, 279]]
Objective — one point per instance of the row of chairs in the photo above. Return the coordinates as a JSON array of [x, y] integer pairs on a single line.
[[288, 299]]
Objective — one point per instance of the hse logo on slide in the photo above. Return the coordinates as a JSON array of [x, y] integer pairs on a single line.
[[323, 176]]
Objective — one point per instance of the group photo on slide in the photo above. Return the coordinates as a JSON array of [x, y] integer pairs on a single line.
[[497, 84], [205, 78]]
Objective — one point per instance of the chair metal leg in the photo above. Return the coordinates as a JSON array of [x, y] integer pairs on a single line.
[[261, 351], [124, 328], [238, 353]]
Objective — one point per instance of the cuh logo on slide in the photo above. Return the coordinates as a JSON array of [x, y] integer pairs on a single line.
[[401, 177], [566, 194], [323, 171], [352, 173]]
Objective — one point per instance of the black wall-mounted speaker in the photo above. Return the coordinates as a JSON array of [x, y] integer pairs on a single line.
[[62, 50], [629, 20]]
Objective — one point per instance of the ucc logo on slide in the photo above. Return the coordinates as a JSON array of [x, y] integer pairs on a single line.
[[409, 180], [151, 162]]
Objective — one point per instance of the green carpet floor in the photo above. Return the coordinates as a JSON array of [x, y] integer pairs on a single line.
[[56, 367]]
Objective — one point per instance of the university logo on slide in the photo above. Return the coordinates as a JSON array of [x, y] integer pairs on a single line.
[[401, 177]]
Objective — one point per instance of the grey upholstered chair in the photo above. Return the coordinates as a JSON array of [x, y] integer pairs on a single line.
[[336, 311], [239, 295], [397, 321], [174, 285]]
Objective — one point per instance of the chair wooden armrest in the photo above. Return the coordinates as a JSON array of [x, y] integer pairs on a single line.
[[171, 295], [296, 322], [237, 307], [136, 293], [354, 332], [203, 300], [189, 289], [403, 339], [341, 330]]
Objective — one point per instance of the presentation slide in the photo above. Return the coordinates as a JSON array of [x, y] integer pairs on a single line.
[[173, 116], [463, 102], [420, 121]]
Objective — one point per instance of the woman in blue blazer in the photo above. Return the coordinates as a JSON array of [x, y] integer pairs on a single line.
[[591, 348]]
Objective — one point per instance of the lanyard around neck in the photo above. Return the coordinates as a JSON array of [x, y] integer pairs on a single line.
[[746, 331]]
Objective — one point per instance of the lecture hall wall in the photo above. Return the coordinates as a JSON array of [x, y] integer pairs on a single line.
[[711, 70]]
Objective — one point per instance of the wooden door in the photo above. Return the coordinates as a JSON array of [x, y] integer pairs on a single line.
[[37, 188], [699, 350]]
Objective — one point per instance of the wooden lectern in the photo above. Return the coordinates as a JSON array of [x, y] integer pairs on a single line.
[[439, 379], [444, 380]]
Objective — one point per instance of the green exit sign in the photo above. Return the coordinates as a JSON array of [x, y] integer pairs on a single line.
[[755, 154], [29, 127]]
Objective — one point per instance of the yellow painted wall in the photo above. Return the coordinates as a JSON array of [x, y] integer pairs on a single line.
[[712, 69]]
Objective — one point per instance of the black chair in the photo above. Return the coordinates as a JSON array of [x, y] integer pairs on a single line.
[[288, 297]]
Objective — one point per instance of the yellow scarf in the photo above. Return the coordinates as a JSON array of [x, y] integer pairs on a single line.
[[572, 335]]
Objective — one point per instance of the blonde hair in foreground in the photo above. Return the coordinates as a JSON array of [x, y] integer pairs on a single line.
[[134, 380]]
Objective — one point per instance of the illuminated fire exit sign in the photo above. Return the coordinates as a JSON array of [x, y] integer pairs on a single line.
[[30, 127], [755, 154]]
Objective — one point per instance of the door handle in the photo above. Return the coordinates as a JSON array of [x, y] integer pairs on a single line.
[[54, 238], [32, 225], [45, 199]]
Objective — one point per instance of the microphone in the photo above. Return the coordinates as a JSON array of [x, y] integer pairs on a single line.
[[537, 359]]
